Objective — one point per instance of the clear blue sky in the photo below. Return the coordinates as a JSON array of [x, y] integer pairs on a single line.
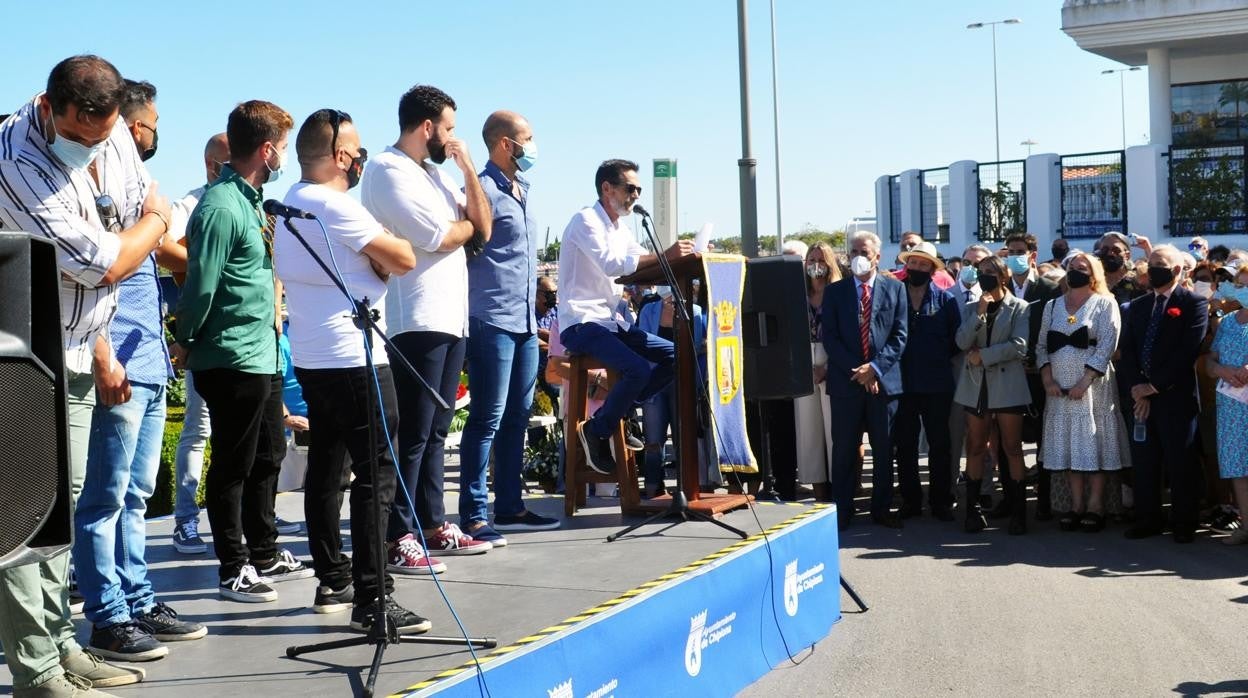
[[865, 88]]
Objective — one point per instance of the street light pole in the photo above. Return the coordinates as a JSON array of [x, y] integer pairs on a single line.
[[996, 111], [747, 164], [1029, 142], [775, 126], [1122, 97]]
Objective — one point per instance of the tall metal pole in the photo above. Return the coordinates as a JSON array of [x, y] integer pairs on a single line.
[[1122, 104], [996, 113], [775, 120], [747, 164]]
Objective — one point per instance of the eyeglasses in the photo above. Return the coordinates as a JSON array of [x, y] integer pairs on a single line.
[[107, 211], [1195, 246], [630, 188], [907, 246]]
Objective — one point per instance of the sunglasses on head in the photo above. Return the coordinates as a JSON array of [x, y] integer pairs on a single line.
[[336, 117]]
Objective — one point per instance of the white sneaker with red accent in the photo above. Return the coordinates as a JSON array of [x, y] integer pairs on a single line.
[[407, 557], [449, 540]]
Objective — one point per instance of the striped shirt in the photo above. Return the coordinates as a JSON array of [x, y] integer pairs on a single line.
[[41, 196]]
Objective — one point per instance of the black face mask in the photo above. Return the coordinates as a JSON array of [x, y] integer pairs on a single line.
[[1160, 277], [355, 171], [988, 284], [1060, 252], [1078, 279], [1112, 262], [150, 152], [914, 277]]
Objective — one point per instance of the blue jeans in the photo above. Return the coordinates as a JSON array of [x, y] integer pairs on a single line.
[[644, 361], [502, 373], [657, 419], [110, 533], [189, 460]]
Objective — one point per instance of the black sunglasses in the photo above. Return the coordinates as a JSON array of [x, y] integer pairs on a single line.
[[336, 117], [630, 188]]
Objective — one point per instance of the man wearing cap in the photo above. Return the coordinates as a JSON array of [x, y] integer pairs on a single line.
[[932, 317]]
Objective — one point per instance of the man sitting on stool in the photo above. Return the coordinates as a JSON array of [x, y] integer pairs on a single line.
[[597, 247]]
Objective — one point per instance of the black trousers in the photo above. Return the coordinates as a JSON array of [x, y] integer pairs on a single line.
[[245, 410], [932, 412], [1167, 451], [338, 400], [878, 412], [439, 358]]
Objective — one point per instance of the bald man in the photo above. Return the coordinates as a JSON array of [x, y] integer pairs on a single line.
[[502, 339], [189, 461], [1161, 336]]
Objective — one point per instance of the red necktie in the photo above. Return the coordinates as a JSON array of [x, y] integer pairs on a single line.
[[864, 322]]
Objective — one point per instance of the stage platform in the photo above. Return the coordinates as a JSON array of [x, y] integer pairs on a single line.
[[516, 594]]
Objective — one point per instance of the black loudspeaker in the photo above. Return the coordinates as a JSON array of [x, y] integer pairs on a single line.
[[776, 329], [34, 431]]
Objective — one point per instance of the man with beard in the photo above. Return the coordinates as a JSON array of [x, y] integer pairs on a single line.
[[427, 309]]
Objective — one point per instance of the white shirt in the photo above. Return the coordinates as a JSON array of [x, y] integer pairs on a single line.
[[1021, 291], [41, 196], [322, 331], [419, 202], [595, 251], [968, 295], [181, 210]]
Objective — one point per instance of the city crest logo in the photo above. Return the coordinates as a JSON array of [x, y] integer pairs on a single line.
[[795, 584], [702, 636], [563, 690]]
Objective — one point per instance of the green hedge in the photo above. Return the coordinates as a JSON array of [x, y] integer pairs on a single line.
[[162, 500]]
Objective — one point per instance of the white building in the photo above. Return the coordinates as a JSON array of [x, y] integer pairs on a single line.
[[1192, 177]]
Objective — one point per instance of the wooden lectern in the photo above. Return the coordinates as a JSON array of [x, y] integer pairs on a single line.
[[686, 382]]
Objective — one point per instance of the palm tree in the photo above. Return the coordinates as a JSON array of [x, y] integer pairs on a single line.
[[1234, 93]]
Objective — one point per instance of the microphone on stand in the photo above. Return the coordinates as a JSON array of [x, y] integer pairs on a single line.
[[637, 208], [273, 207]]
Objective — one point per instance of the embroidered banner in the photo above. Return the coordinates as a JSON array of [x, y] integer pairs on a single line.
[[725, 281]]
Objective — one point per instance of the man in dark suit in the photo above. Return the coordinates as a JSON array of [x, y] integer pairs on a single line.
[[1036, 291], [1161, 336], [864, 333]]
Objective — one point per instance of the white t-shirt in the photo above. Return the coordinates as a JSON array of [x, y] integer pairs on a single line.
[[322, 331], [593, 253], [419, 202]]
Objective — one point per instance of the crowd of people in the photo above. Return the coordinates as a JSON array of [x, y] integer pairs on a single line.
[[1128, 374], [268, 344], [1129, 377]]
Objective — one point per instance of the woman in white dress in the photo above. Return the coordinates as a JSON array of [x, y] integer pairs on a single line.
[[811, 413], [1082, 427]]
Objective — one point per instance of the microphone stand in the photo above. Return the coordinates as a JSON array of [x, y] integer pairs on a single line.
[[680, 503], [382, 633]]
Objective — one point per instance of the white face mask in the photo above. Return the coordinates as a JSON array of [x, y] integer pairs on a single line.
[[1204, 289], [274, 174], [860, 265]]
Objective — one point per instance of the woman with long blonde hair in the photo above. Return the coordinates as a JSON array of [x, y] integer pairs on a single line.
[[812, 413], [1082, 427]]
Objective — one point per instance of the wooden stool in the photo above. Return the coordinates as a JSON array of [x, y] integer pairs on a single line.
[[577, 474]]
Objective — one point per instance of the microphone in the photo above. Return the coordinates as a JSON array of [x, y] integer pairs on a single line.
[[640, 211], [273, 207]]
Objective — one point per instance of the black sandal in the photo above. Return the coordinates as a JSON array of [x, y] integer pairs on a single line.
[[1092, 522], [1068, 521]]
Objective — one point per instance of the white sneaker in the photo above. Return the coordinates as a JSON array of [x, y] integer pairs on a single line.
[[247, 586]]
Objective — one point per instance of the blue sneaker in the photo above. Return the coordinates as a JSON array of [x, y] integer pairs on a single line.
[[489, 535], [528, 521]]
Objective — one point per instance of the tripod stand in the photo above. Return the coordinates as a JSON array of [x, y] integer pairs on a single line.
[[382, 632], [679, 506]]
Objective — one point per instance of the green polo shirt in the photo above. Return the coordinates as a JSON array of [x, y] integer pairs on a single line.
[[226, 314]]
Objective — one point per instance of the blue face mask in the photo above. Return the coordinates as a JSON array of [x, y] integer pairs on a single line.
[[274, 174], [527, 157], [75, 156], [969, 276], [1018, 264], [1239, 295]]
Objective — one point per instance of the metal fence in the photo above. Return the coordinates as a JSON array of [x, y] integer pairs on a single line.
[[1208, 186], [894, 208], [1001, 199], [934, 204], [1094, 193]]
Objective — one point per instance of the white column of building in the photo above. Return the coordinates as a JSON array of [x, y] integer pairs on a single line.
[[963, 207], [1159, 128]]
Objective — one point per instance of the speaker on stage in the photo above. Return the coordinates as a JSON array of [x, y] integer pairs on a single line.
[[776, 329], [34, 449]]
